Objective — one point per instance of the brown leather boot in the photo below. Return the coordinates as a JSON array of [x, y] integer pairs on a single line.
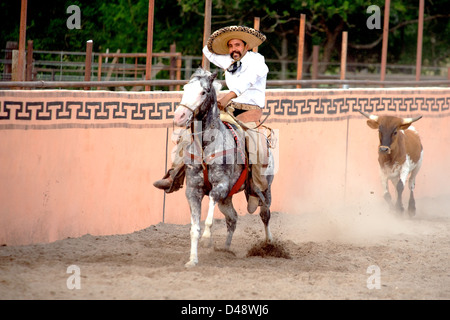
[[172, 180], [252, 204], [165, 182], [257, 182]]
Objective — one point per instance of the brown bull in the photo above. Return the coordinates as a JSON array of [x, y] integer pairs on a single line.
[[400, 154]]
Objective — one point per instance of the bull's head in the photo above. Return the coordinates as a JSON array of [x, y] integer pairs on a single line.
[[388, 127]]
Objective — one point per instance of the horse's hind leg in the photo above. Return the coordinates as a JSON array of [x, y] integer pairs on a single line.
[[264, 213], [226, 207]]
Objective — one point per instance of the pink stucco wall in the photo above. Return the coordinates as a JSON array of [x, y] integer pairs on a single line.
[[78, 162]]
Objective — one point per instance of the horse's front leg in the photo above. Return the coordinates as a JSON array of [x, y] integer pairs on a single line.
[[195, 206], [206, 237], [219, 191], [226, 207]]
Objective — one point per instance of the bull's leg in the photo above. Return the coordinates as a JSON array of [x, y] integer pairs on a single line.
[[206, 237], [404, 172], [226, 207], [412, 184], [412, 201], [388, 198], [399, 204], [385, 186], [411, 205]]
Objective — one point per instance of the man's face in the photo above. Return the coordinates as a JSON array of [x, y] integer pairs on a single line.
[[237, 49]]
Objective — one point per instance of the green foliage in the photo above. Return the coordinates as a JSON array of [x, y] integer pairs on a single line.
[[122, 24]]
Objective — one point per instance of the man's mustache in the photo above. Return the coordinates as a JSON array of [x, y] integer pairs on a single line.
[[232, 53]]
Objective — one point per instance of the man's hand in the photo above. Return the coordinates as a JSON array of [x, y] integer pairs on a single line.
[[220, 105], [223, 102]]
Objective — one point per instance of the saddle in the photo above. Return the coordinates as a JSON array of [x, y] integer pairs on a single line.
[[265, 133], [265, 139]]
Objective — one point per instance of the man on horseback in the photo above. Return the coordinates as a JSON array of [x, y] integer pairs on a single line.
[[245, 74]]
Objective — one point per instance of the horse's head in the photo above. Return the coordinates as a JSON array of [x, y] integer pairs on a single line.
[[200, 91]]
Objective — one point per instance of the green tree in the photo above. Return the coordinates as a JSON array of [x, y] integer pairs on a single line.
[[122, 24]]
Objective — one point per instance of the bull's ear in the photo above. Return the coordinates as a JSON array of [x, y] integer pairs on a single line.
[[404, 126], [373, 124], [408, 121]]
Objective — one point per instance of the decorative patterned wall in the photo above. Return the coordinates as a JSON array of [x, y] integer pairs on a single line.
[[148, 110], [77, 162]]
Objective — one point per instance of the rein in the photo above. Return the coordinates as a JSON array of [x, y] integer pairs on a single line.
[[183, 105]]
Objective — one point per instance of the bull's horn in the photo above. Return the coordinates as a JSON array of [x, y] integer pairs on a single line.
[[368, 116], [411, 120]]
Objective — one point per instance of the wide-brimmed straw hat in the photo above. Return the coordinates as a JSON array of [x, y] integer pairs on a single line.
[[218, 41]]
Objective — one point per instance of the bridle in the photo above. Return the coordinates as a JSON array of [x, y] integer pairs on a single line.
[[194, 112], [187, 107]]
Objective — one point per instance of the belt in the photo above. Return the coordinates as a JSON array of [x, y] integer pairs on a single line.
[[243, 106]]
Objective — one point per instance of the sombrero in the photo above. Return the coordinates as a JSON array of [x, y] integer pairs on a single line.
[[218, 41]]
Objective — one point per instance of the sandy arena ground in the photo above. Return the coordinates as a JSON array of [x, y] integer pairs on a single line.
[[334, 254]]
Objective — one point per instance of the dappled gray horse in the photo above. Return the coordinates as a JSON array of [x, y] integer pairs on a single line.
[[215, 160]]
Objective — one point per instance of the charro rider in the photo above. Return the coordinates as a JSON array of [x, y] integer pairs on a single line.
[[245, 74]]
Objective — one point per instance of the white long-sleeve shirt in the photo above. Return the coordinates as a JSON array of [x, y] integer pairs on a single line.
[[249, 81]]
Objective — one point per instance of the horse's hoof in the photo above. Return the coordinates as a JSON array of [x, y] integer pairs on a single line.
[[399, 211], [191, 264], [206, 242]]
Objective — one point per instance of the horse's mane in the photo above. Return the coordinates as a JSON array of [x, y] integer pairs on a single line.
[[202, 73], [217, 86]]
